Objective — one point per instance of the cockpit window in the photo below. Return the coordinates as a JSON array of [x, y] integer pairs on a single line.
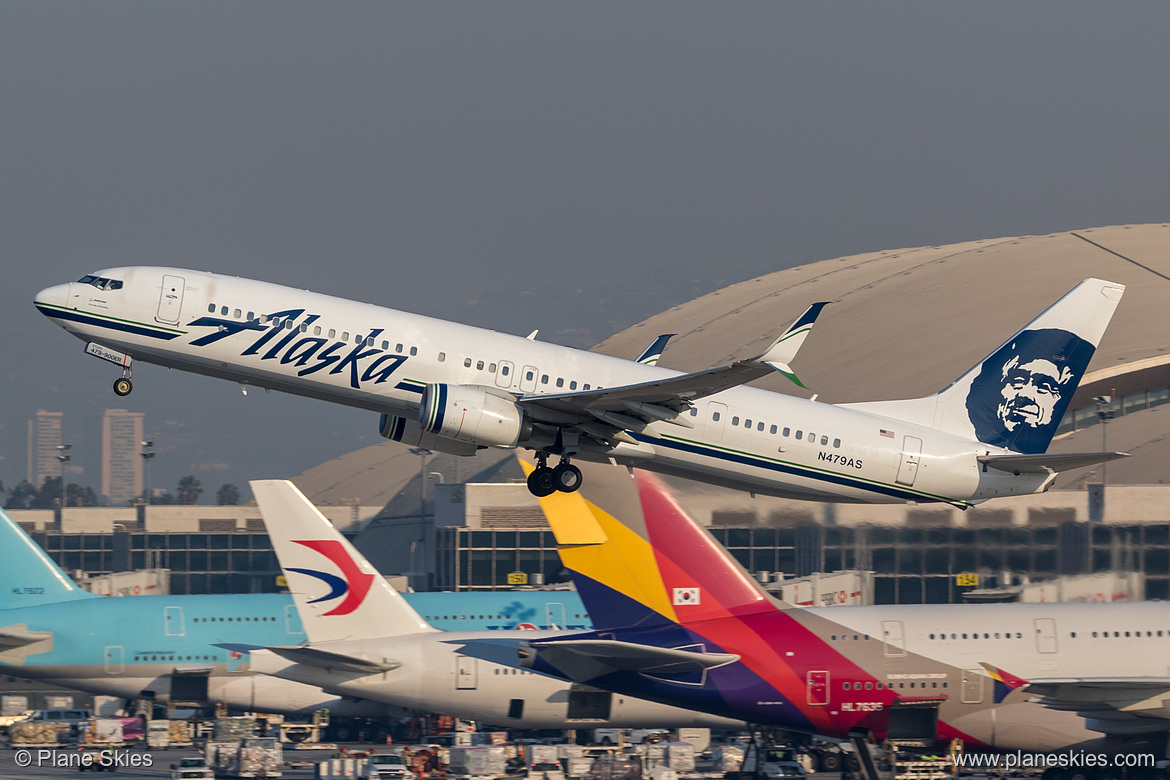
[[100, 282]]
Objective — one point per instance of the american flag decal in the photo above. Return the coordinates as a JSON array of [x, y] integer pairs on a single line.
[[887, 434]]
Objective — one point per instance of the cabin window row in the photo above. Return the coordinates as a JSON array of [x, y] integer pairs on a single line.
[[869, 686], [774, 429], [234, 620], [986, 635]]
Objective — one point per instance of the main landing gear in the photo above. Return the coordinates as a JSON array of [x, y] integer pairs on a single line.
[[544, 481]]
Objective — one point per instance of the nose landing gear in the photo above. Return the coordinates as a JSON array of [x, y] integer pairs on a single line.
[[123, 385], [544, 481]]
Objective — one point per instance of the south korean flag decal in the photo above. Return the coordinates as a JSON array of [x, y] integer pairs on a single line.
[[686, 596]]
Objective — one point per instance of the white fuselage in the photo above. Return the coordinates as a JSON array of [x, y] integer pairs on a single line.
[[279, 338], [436, 677]]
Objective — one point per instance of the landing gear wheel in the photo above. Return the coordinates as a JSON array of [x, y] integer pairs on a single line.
[[541, 482], [122, 386], [567, 477]]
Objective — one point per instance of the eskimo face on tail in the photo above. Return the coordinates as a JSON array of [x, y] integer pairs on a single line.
[[1024, 388]]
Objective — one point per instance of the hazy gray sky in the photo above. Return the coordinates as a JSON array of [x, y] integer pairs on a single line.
[[572, 167]]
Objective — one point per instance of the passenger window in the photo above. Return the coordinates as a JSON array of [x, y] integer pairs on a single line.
[[491, 368], [812, 438], [223, 310], [747, 423], [586, 386], [413, 351], [735, 420], [799, 434], [251, 316], [715, 416], [560, 381], [237, 314], [572, 386], [759, 426], [785, 432], [694, 411], [442, 358], [528, 376], [504, 371], [345, 335], [211, 308], [369, 341], [772, 430], [385, 345], [316, 330], [836, 443], [824, 440], [544, 379], [398, 348], [479, 365], [467, 363], [332, 333]]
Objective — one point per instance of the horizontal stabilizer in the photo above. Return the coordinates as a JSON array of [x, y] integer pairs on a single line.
[[19, 636], [342, 662], [587, 659], [1047, 462]]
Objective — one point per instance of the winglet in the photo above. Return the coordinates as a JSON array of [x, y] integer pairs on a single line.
[[783, 350], [650, 355], [1005, 682]]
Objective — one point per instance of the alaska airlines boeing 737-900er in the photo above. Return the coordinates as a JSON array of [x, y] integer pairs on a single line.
[[164, 648], [455, 389], [678, 620]]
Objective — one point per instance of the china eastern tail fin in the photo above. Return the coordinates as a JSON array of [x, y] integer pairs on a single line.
[[29, 577], [1016, 396], [337, 592], [638, 559]]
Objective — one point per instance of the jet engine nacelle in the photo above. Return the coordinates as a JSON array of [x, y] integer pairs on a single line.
[[407, 431], [472, 415]]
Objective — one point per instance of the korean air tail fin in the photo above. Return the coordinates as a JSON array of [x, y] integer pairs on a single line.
[[1016, 396], [29, 577], [337, 592], [638, 559]]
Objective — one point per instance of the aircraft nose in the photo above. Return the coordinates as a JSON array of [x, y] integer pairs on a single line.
[[57, 295]]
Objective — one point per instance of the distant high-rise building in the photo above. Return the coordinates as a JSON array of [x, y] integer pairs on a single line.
[[44, 436], [121, 462]]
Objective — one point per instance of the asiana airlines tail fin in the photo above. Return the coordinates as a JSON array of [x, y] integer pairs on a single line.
[[638, 559]]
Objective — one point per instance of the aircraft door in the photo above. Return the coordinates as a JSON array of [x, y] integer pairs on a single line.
[[292, 620], [173, 621], [1045, 635], [893, 638], [911, 453], [170, 301], [528, 379], [716, 419], [554, 616], [115, 659], [504, 374], [817, 686], [466, 673], [971, 690]]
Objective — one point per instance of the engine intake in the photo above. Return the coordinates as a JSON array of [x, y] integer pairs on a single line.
[[468, 414]]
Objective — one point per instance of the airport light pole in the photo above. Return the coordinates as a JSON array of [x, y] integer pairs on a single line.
[[422, 452], [147, 455], [1105, 414], [64, 457]]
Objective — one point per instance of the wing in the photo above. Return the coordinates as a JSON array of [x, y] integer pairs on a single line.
[[611, 410], [1111, 705], [19, 636], [582, 660]]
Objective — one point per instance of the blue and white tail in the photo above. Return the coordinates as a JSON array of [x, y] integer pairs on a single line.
[[29, 577], [1016, 396], [337, 592]]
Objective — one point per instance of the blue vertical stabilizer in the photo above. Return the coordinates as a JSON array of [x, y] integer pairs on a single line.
[[27, 575]]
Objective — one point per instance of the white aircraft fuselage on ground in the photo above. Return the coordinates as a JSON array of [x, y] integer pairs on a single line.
[[456, 388]]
